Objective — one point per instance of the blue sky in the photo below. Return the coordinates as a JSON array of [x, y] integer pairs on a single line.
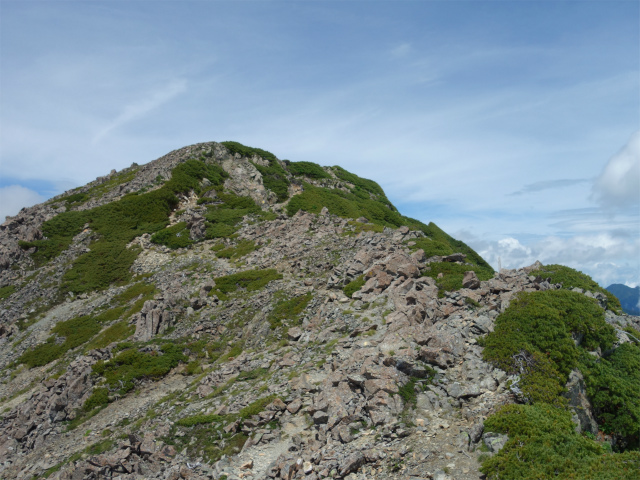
[[513, 125]]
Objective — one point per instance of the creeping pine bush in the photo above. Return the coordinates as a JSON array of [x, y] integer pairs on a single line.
[[130, 364], [6, 291], [543, 444], [453, 274], [116, 224], [251, 280], [354, 285], [243, 247], [534, 338], [274, 176], [307, 169], [175, 236], [223, 217], [570, 278], [75, 332], [288, 310], [613, 387], [206, 431], [431, 247]]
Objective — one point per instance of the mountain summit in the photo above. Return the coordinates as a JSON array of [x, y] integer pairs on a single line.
[[220, 313]]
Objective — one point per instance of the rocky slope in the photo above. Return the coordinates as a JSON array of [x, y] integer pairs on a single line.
[[294, 344]]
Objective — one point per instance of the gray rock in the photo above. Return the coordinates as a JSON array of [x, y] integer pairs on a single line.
[[470, 280], [494, 441]]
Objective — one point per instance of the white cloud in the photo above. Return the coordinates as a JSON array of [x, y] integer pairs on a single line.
[[14, 197], [143, 106], [605, 257], [619, 183]]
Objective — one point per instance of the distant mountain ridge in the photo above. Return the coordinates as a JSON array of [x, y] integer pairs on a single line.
[[629, 297]]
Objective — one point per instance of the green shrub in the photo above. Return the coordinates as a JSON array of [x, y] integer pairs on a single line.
[[543, 444], [613, 387], [408, 393], [570, 278], [75, 332], [254, 408], [364, 227], [98, 399], [252, 374], [307, 169], [453, 274], [274, 176], [223, 218], [288, 310], [354, 285], [199, 420], [432, 247], [116, 224], [7, 291], [244, 247], [250, 280], [236, 147], [134, 291], [544, 322], [130, 365], [107, 263], [534, 337], [115, 333], [175, 236], [359, 183]]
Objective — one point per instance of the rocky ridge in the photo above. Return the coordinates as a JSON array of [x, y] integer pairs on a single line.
[[388, 381]]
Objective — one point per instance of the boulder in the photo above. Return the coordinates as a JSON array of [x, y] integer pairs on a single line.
[[470, 280]]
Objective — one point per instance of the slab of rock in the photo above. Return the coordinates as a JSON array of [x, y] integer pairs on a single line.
[[470, 280]]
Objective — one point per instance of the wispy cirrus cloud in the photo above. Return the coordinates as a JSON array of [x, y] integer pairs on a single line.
[[143, 106], [549, 185]]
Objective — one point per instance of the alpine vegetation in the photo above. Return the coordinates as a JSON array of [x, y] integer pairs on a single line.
[[219, 313]]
